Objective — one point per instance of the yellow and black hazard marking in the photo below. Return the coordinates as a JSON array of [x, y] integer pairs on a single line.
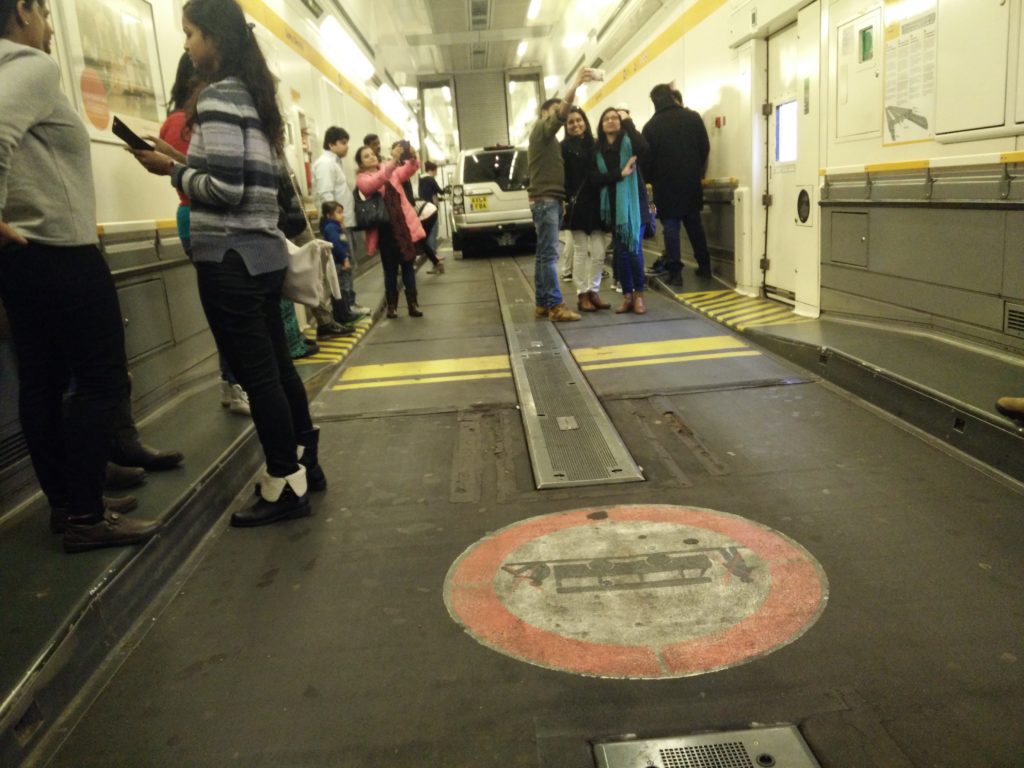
[[668, 352], [738, 311], [337, 349], [424, 372]]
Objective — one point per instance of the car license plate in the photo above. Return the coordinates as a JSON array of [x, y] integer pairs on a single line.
[[478, 204]]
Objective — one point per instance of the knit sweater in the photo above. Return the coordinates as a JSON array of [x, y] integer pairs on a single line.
[[231, 181], [46, 182]]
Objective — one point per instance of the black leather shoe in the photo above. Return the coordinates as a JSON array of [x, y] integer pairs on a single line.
[[118, 504], [705, 273], [288, 506], [309, 447], [118, 478], [674, 280], [281, 498], [112, 531], [140, 455]]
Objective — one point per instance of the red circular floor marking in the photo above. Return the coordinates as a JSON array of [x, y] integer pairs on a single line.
[[636, 591]]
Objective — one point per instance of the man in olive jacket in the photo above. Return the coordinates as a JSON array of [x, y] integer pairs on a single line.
[[675, 165]]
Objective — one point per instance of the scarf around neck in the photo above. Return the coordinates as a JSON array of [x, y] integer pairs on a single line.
[[626, 222], [399, 226]]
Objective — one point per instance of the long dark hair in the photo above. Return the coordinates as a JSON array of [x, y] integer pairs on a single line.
[[186, 79], [602, 137], [587, 139], [7, 8], [241, 57]]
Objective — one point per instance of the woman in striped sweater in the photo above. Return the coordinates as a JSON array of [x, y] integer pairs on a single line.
[[239, 253]]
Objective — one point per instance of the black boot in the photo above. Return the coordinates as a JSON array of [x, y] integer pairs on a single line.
[[281, 498], [410, 299], [308, 457], [392, 302]]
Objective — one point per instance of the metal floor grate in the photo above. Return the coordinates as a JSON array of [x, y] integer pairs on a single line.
[[774, 747], [570, 438]]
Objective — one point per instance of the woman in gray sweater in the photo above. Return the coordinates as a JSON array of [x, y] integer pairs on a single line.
[[49, 259], [231, 179]]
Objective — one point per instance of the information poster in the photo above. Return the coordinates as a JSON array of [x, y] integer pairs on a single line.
[[910, 64]]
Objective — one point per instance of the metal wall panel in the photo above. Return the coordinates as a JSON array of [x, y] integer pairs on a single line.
[[848, 237], [1013, 268], [147, 324], [187, 317], [483, 118]]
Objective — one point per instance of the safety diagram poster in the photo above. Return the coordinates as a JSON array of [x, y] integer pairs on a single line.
[[910, 64]]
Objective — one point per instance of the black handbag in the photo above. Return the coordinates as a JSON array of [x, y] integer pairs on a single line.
[[371, 212], [291, 219]]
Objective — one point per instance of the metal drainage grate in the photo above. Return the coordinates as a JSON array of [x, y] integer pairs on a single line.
[[774, 747], [1013, 319]]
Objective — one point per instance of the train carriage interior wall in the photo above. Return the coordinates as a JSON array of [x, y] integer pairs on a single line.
[[765, 511]]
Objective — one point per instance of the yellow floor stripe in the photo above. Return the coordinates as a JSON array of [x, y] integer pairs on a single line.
[[725, 304], [698, 294], [762, 313], [434, 380], [426, 367], [757, 309], [656, 348], [787, 321], [669, 360], [740, 313]]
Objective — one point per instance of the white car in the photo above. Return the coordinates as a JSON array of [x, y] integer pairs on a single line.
[[489, 201]]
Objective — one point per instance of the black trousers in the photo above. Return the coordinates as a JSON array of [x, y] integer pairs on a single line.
[[244, 313], [393, 262], [698, 242], [66, 325]]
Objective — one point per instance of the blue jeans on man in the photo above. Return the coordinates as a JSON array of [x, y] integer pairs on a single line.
[[698, 242], [547, 216]]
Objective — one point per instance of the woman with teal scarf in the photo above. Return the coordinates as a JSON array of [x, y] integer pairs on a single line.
[[619, 145]]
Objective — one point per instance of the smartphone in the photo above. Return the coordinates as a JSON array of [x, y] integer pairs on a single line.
[[128, 136], [597, 74]]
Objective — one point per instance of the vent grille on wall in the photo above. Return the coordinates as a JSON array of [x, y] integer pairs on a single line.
[[12, 450], [1013, 320]]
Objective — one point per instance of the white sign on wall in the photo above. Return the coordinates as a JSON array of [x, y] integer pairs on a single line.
[[910, 66]]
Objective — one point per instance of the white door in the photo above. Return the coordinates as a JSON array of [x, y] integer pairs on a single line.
[[792, 250]]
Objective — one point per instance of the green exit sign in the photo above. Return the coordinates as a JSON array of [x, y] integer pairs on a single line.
[[314, 8]]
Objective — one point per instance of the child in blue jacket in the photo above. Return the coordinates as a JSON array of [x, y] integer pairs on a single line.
[[332, 227]]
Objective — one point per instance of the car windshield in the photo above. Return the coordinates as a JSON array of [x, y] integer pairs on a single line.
[[505, 167]]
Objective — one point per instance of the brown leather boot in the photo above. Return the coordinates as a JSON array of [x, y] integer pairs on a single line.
[[639, 308], [392, 303], [584, 304], [597, 301], [410, 299], [627, 304]]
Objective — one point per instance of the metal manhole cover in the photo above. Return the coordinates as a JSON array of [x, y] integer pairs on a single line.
[[636, 591], [774, 747]]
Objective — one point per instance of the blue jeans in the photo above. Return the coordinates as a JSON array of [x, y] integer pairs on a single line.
[[698, 242], [630, 263], [347, 285], [546, 217]]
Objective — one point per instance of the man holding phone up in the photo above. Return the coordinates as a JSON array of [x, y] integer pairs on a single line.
[[547, 195]]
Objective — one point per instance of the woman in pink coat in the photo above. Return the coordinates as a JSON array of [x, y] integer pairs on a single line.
[[399, 240]]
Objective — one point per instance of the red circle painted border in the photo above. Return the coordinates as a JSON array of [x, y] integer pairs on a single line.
[[795, 600]]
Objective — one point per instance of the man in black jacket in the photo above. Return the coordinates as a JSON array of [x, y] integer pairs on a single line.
[[675, 167]]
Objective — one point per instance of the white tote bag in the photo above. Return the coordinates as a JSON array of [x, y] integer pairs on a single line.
[[303, 282]]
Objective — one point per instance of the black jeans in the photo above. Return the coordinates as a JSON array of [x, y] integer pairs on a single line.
[[392, 260], [66, 324], [244, 313]]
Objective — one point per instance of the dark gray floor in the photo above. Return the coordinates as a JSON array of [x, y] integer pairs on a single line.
[[326, 642]]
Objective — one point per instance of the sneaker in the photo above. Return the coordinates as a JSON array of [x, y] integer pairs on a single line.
[[112, 531], [567, 276], [331, 330], [618, 287], [239, 401], [358, 309], [225, 393], [562, 314]]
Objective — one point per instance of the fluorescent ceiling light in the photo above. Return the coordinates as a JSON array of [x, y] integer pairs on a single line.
[[534, 10], [521, 49], [353, 63], [409, 92]]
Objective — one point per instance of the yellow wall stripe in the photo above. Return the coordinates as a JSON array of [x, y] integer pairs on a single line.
[[261, 13], [404, 382], [1012, 157], [689, 19], [669, 360], [905, 165]]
